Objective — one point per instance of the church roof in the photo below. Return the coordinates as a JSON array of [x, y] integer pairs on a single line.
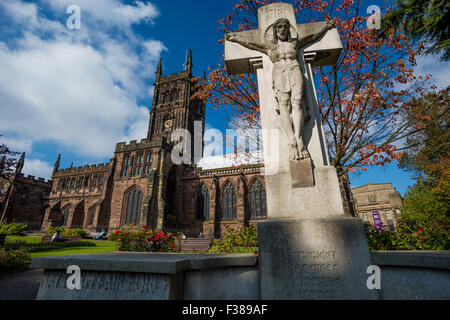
[[231, 160]]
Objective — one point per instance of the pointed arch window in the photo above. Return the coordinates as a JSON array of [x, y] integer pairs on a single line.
[[79, 182], [167, 97], [138, 165], [258, 200], [91, 215], [125, 166], [229, 202], [174, 95], [71, 184], [61, 184], [203, 203], [86, 181], [148, 163], [133, 208], [66, 212], [94, 182]]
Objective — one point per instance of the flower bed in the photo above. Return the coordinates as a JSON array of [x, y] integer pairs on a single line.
[[407, 237], [141, 239]]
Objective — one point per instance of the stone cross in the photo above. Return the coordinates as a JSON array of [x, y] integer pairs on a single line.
[[308, 176]]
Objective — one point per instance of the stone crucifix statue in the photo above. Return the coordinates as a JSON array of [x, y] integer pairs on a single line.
[[287, 78]]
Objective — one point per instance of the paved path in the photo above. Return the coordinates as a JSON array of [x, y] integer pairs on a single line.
[[21, 285]]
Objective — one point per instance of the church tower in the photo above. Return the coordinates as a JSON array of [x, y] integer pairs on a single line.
[[172, 106]]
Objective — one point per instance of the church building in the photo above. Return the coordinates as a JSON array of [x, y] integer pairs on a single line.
[[141, 185]]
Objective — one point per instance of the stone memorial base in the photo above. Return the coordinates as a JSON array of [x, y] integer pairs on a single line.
[[328, 269], [150, 276], [309, 259], [321, 200]]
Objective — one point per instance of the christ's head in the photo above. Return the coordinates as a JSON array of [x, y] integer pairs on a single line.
[[281, 30]]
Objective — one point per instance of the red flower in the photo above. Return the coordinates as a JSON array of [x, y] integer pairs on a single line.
[[421, 229], [173, 245], [157, 237], [117, 231], [144, 226], [421, 239], [125, 234]]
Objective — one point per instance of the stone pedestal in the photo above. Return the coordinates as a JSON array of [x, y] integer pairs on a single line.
[[313, 259]]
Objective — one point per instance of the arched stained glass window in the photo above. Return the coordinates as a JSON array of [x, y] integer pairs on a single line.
[[203, 203], [134, 202], [258, 200], [229, 202]]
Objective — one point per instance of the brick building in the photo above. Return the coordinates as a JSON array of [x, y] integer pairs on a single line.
[[378, 204], [23, 199]]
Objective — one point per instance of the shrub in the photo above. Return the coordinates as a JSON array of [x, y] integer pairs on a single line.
[[243, 240], [408, 236], [13, 229], [75, 233], [14, 259], [135, 239], [51, 230], [67, 232]]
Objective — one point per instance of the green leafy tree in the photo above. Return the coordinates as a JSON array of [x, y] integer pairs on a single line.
[[427, 20], [422, 206], [429, 152], [427, 202]]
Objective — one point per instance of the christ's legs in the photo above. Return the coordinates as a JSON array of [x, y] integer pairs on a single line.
[[298, 117], [287, 123]]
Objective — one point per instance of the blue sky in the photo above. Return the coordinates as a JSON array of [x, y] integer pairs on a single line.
[[79, 92]]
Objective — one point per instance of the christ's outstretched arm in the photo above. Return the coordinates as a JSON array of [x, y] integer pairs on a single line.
[[248, 44], [313, 37]]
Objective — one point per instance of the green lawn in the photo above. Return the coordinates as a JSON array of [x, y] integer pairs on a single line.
[[100, 247]]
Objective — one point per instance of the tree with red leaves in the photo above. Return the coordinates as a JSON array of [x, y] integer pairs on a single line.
[[364, 99]]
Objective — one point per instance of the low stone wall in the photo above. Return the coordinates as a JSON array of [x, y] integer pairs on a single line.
[[158, 276], [150, 276], [413, 275]]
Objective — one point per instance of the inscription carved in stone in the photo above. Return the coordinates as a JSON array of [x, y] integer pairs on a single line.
[[316, 273], [111, 281]]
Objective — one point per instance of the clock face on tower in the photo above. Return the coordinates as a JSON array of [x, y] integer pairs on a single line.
[[168, 124]]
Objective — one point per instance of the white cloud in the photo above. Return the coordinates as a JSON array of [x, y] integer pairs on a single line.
[[110, 12], [21, 11], [77, 89], [17, 144], [440, 71], [37, 168]]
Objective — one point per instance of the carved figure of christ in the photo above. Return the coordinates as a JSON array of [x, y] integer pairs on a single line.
[[287, 79]]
